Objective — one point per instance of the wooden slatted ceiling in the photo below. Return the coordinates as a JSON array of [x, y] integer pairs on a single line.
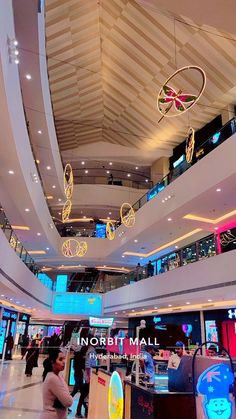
[[107, 60]]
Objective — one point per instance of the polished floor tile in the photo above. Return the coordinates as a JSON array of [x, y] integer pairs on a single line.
[[21, 396]]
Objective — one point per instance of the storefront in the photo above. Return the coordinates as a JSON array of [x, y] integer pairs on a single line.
[[220, 325], [44, 330], [7, 325], [166, 329], [22, 326]]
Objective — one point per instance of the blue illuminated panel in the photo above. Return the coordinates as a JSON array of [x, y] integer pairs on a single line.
[[75, 303], [101, 231], [61, 283]]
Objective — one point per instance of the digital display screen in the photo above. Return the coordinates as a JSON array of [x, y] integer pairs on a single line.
[[75, 303], [211, 331], [101, 231], [61, 283], [2, 338], [71, 373]]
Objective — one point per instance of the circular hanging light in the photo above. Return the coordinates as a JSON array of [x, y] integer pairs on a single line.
[[70, 248], [66, 211], [68, 181], [127, 214], [172, 101], [82, 249], [110, 230], [190, 143]]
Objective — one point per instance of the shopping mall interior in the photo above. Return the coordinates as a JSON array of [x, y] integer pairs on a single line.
[[117, 209]]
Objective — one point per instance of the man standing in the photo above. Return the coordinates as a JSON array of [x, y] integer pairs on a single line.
[[175, 358], [9, 346], [147, 363]]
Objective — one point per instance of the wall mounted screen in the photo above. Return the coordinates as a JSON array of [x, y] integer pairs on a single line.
[[75, 303]]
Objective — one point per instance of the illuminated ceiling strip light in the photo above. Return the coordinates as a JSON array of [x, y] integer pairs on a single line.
[[81, 220], [112, 268], [164, 246], [210, 220], [72, 267], [49, 197], [21, 228], [199, 306], [46, 269], [37, 252]]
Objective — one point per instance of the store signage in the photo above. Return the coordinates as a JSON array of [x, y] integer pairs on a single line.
[[156, 319], [9, 315], [232, 314], [115, 397], [2, 338], [77, 303], [24, 317], [101, 321], [214, 384]]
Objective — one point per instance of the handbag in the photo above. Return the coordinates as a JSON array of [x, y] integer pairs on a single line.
[[57, 404]]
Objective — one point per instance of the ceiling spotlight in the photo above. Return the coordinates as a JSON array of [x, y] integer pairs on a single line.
[[2, 295], [15, 42], [116, 312], [54, 186], [11, 172], [169, 196], [83, 162], [27, 210], [143, 309], [108, 218], [176, 247], [38, 234], [17, 61], [136, 167], [135, 241], [141, 258], [108, 171], [84, 216], [110, 163], [28, 77], [133, 310], [169, 219], [39, 131], [16, 52], [123, 256], [128, 174], [110, 213], [48, 167], [59, 199], [11, 299], [47, 248], [155, 308], [163, 201], [218, 190], [188, 303], [86, 171], [166, 198], [209, 301], [216, 228], [146, 180], [37, 161], [169, 305], [59, 213]]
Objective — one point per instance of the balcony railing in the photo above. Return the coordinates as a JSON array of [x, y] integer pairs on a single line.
[[207, 247], [19, 248]]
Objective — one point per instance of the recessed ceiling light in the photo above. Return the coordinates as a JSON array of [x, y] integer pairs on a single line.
[[188, 302], [59, 213], [163, 201], [39, 131], [47, 248], [54, 186], [124, 311], [16, 52], [133, 310], [108, 171], [110, 213], [2, 295], [48, 167], [128, 174], [136, 167], [86, 171], [218, 190], [209, 301], [110, 163], [169, 219], [108, 218], [169, 305], [169, 196], [38, 234], [28, 77], [116, 312], [17, 61], [27, 210], [143, 309], [84, 216], [216, 228], [141, 258], [176, 247], [59, 199], [155, 308], [83, 162], [166, 199], [123, 256], [11, 172], [135, 241], [146, 180], [11, 299], [104, 266], [37, 161]]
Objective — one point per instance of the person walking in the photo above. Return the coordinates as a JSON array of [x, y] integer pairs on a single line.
[[31, 358], [150, 269], [138, 272], [56, 395], [24, 345], [9, 346]]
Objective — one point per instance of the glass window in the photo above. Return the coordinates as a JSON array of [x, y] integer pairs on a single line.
[[189, 254], [207, 247]]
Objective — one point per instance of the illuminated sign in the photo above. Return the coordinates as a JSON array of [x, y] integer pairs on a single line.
[[24, 317], [9, 315], [232, 314], [156, 319], [101, 321], [215, 383], [75, 303], [115, 397], [215, 138], [179, 161]]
